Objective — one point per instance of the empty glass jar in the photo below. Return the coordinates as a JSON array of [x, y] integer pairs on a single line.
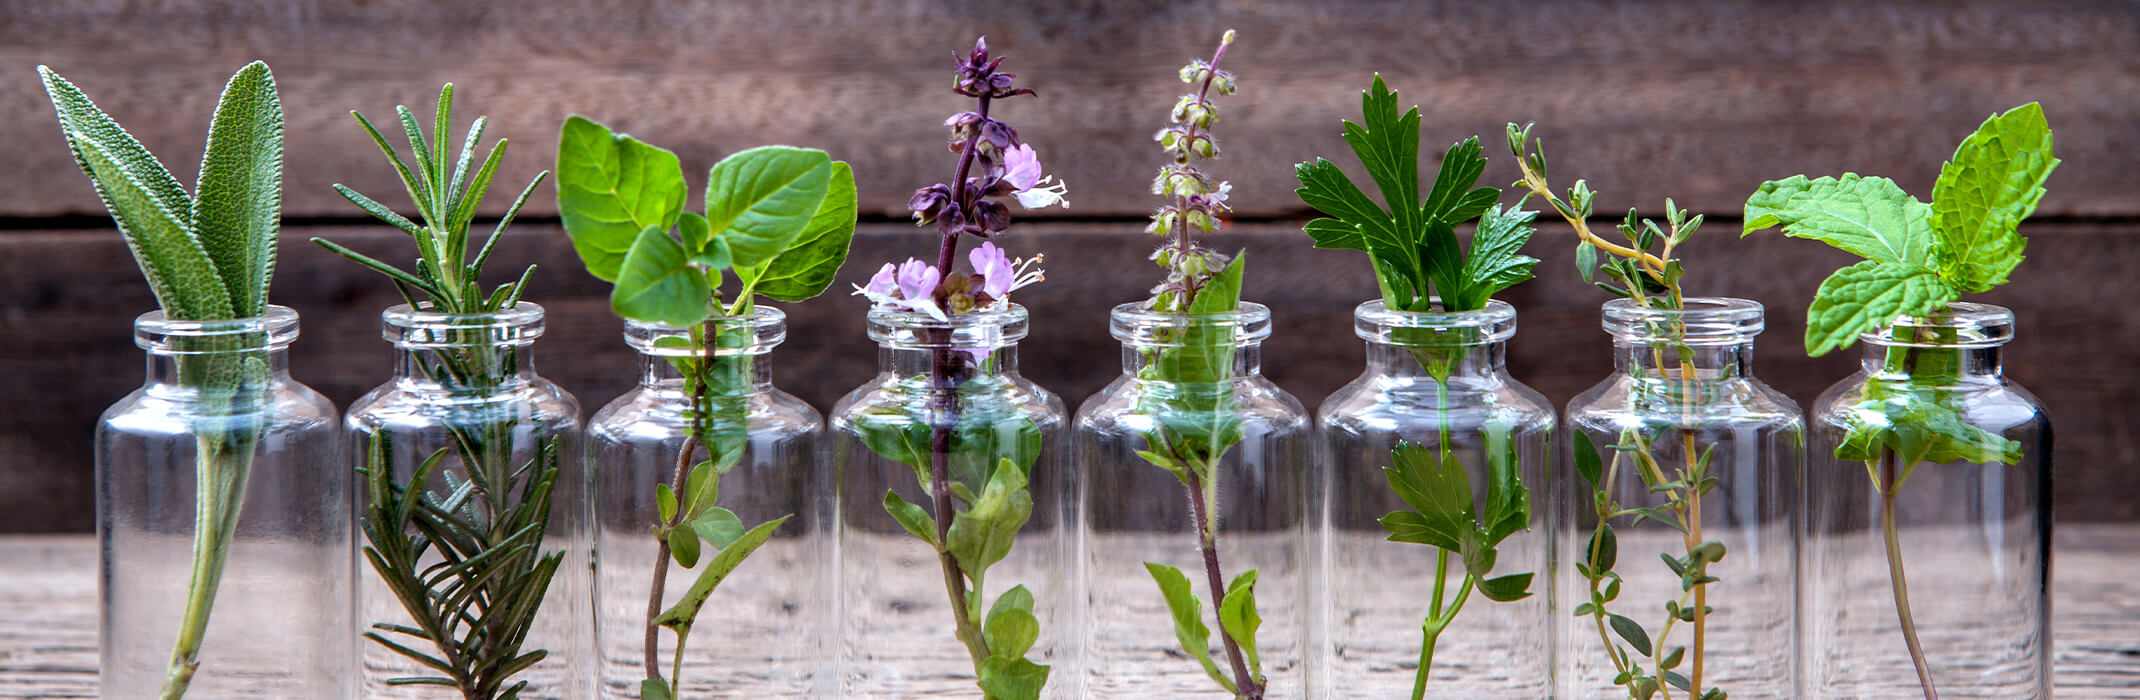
[[1192, 468], [1436, 391], [1678, 540], [965, 451], [1928, 520], [219, 409], [759, 634], [467, 427]]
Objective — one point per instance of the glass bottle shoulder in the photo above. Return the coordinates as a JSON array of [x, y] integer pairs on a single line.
[[1380, 403], [895, 394], [395, 403], [1123, 405], [170, 410], [654, 413], [1623, 401], [1992, 402]]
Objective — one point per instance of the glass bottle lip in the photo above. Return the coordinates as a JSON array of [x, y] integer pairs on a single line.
[[274, 329], [1974, 326], [1375, 322], [768, 327], [1701, 321], [1137, 326], [992, 327], [411, 327]]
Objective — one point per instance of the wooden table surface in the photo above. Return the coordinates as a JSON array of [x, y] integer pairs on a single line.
[[48, 614]]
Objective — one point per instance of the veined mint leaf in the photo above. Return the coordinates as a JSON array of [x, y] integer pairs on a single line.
[[1869, 216], [1993, 182], [610, 187], [760, 200], [1868, 296], [238, 209], [1917, 426], [807, 266], [657, 283]]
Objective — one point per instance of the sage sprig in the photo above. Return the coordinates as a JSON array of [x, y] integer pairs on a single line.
[[208, 255], [466, 561], [1919, 258], [1421, 267], [1644, 269], [785, 219]]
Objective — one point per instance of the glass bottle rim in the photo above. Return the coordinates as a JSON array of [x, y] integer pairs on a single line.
[[767, 325], [1974, 325], [1700, 321], [1374, 321], [985, 328], [1137, 326], [274, 329], [418, 327]]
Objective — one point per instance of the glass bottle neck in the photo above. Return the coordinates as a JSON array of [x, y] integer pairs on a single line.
[[1923, 363], [1138, 362], [963, 363], [1466, 364], [182, 376], [464, 369], [725, 355], [1680, 363], [1960, 344]]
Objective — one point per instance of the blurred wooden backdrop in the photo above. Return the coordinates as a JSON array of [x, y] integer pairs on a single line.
[[1698, 100]]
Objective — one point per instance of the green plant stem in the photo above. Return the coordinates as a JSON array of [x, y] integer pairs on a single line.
[[222, 466], [661, 566], [1200, 497], [1438, 620], [1900, 582]]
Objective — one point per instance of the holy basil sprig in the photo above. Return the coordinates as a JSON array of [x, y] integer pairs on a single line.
[[1919, 258], [1421, 267], [779, 220], [206, 256], [1413, 243]]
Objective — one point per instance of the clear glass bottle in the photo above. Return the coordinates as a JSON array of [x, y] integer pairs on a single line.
[[1956, 530], [1433, 379], [1681, 434], [896, 635], [1191, 385], [219, 397], [466, 399], [759, 636]]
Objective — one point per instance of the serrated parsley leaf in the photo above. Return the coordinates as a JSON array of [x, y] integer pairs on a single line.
[[1869, 216], [1869, 296], [1993, 182]]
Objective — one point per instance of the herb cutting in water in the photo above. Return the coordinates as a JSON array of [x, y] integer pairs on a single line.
[[779, 219], [1641, 268], [207, 256], [475, 603], [979, 462], [1919, 258], [1420, 267]]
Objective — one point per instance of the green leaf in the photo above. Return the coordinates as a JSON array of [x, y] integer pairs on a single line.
[[1437, 489], [696, 233], [1918, 426], [1238, 618], [1494, 263], [1388, 146], [1011, 632], [1508, 503], [1868, 296], [1586, 459], [760, 200], [658, 284], [1603, 550], [1506, 589], [654, 689], [717, 570], [1188, 611], [982, 535], [178, 269], [701, 489], [719, 527], [665, 502], [1223, 293], [239, 208], [610, 188], [1011, 678], [683, 544], [1992, 183], [806, 268], [1869, 216], [82, 122], [1335, 234], [1632, 632], [914, 518]]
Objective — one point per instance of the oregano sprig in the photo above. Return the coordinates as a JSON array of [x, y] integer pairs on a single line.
[[1919, 258], [1421, 267], [207, 256], [787, 217]]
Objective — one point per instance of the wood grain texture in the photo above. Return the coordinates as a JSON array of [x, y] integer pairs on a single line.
[[67, 299], [1700, 100], [48, 615]]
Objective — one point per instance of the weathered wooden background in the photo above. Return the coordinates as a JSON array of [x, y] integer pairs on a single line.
[[1699, 100]]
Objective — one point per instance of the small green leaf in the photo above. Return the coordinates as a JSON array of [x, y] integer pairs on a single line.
[[1238, 618], [238, 210], [912, 517], [1506, 588], [1011, 632], [1632, 632], [719, 527], [1868, 296], [1586, 459], [1011, 678], [1188, 612], [665, 502], [1437, 489], [806, 268], [658, 284], [717, 570], [1992, 183], [654, 689], [982, 535], [683, 544], [1869, 216], [760, 200], [696, 233], [177, 267], [1603, 550], [610, 188], [701, 489]]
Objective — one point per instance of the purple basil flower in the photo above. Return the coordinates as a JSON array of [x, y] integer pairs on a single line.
[[995, 269], [1021, 168]]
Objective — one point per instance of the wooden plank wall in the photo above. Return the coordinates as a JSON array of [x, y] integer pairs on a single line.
[[1701, 101]]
